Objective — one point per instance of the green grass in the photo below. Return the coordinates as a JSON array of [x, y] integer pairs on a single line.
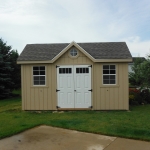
[[129, 124]]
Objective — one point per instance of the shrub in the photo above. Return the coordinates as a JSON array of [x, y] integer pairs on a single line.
[[145, 95], [138, 97], [134, 97]]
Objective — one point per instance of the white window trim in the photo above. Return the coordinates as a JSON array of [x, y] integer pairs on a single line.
[[109, 74], [38, 75], [73, 51]]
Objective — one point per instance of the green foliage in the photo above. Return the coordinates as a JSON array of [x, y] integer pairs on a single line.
[[16, 73], [134, 97], [145, 94], [129, 124], [5, 70], [146, 73], [10, 76], [136, 77], [138, 97], [141, 73]]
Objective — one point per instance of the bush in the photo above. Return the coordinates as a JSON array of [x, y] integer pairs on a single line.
[[146, 95], [138, 97]]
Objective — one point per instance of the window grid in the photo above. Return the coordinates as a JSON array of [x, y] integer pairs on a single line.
[[73, 52], [82, 70], [39, 75], [109, 74], [65, 70]]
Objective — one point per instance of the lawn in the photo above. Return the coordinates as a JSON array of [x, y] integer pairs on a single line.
[[129, 124]]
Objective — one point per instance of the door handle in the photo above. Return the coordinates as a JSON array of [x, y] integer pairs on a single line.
[[75, 90]]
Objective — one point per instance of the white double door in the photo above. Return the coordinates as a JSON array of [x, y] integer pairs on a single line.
[[74, 86]]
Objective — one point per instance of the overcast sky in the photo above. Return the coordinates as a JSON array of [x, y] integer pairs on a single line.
[[57, 21]]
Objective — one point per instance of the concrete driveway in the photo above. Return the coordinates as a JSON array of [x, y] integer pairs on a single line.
[[50, 138]]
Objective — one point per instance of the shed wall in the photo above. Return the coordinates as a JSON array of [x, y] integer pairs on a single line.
[[111, 97]]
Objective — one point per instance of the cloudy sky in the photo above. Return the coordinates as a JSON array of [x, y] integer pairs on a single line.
[[57, 21]]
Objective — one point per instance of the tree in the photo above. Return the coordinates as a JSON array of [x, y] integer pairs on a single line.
[[16, 73], [6, 84], [141, 73], [135, 77]]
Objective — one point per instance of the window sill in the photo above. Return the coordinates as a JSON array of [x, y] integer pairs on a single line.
[[38, 86], [107, 86]]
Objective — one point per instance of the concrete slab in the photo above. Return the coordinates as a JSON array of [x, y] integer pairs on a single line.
[[50, 138], [128, 144]]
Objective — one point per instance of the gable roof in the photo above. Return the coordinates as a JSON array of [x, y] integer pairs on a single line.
[[95, 51]]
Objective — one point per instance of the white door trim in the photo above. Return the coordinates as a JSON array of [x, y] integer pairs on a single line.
[[82, 84], [74, 87]]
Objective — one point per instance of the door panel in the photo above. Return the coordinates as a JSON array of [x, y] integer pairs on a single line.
[[66, 86], [82, 84], [74, 83]]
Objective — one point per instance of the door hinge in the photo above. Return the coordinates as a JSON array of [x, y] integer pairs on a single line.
[[57, 107], [90, 66], [57, 90], [90, 90], [57, 66], [90, 106]]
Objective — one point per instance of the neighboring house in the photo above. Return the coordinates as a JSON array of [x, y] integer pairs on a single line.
[[75, 76], [131, 63]]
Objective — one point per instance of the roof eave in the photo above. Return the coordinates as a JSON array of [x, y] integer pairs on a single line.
[[34, 62], [95, 60], [114, 60]]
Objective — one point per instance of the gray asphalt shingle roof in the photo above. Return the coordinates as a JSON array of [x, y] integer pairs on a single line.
[[99, 50]]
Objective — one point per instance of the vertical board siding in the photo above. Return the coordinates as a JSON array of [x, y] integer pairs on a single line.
[[45, 106], [49, 91], [126, 85], [111, 97], [116, 96], [28, 102], [94, 87], [32, 99], [22, 87], [102, 104], [107, 92], [65, 59], [41, 99], [53, 88], [97, 81], [38, 97], [36, 93]]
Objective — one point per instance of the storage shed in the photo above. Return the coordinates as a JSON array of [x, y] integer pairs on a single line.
[[75, 76]]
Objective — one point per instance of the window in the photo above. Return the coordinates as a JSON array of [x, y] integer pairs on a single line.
[[65, 70], [73, 52], [109, 74], [82, 70], [39, 75]]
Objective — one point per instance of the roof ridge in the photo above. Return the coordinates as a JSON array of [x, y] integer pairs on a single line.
[[99, 42], [77, 43], [45, 43]]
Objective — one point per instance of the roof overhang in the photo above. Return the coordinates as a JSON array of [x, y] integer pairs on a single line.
[[96, 61]]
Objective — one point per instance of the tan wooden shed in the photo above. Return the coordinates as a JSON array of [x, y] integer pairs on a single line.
[[75, 76]]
